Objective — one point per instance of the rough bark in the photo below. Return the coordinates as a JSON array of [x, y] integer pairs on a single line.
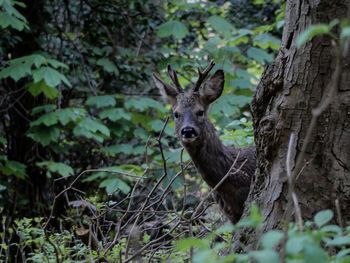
[[289, 89]]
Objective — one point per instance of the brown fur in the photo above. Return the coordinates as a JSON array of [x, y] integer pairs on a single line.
[[211, 158]]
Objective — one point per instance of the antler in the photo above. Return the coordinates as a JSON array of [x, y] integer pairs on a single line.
[[173, 76], [203, 75]]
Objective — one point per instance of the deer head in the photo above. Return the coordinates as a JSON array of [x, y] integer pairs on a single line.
[[190, 109]]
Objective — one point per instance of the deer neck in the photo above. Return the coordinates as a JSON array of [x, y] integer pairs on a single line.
[[211, 158]]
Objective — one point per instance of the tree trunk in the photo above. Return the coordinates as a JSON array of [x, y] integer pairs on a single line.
[[289, 89]]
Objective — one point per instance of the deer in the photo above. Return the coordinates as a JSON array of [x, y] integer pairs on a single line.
[[198, 136]]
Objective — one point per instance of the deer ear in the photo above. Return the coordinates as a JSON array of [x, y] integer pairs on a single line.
[[168, 92], [213, 87]]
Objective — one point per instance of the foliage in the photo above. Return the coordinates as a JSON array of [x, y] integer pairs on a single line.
[[320, 29], [320, 241], [76, 96]]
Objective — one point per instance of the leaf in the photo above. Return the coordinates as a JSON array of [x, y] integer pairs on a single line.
[[259, 55], [189, 242], [142, 119], [312, 253], [241, 36], [8, 20], [64, 116], [311, 32], [16, 70], [221, 25], [240, 83], [44, 134], [94, 126], [339, 241], [345, 32], [51, 76], [203, 255], [115, 114], [108, 66], [265, 256], [57, 64], [47, 119], [69, 115], [118, 148], [113, 184], [211, 46], [45, 108], [41, 87], [101, 101], [89, 128], [323, 217], [332, 229], [175, 28], [14, 168], [143, 104], [266, 41], [271, 239], [3, 140], [57, 167]]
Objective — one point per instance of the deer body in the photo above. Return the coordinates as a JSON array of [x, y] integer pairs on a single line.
[[198, 136]]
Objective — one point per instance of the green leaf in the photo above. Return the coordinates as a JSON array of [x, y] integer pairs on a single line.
[[345, 32], [221, 25], [113, 184], [108, 66], [41, 87], [265, 256], [143, 104], [89, 128], [115, 114], [312, 253], [64, 116], [51, 76], [311, 32], [175, 28], [189, 242], [14, 168], [44, 134], [47, 119], [142, 119], [339, 241], [323, 217], [56, 167], [229, 104], [266, 41], [331, 229], [271, 239], [101, 101], [240, 83], [45, 108], [211, 46], [69, 115], [259, 55], [16, 70], [118, 148], [8, 20], [57, 64], [3, 140], [241, 36]]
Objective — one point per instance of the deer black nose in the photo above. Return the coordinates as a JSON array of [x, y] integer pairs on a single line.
[[189, 132]]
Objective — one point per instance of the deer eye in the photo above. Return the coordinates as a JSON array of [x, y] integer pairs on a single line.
[[176, 115], [200, 113]]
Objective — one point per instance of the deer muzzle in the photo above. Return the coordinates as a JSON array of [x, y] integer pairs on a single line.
[[188, 134]]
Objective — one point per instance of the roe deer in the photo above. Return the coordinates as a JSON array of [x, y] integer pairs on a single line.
[[198, 136]]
